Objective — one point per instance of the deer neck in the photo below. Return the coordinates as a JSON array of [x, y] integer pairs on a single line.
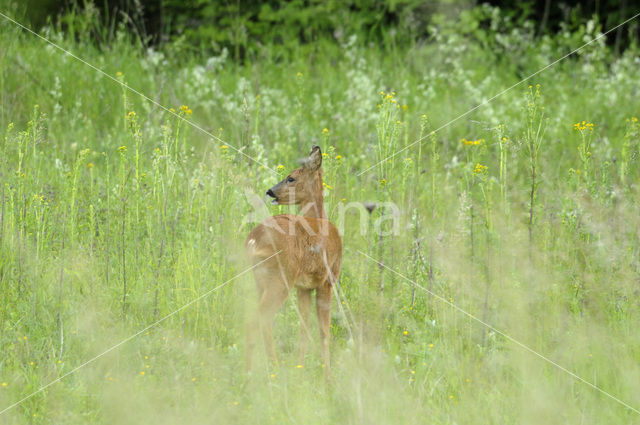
[[314, 207]]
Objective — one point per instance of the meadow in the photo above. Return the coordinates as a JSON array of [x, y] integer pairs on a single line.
[[524, 213]]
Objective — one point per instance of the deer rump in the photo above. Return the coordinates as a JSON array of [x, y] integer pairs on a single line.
[[311, 249]]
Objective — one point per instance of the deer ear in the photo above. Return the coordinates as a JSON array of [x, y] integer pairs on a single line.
[[314, 161]]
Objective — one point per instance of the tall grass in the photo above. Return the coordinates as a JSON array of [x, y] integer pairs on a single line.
[[115, 214]]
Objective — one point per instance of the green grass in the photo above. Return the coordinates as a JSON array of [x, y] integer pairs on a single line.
[[111, 221]]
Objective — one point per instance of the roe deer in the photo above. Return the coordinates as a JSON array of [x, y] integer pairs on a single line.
[[310, 257]]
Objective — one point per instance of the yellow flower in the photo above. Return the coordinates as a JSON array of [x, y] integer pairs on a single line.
[[4, 384], [383, 181], [581, 126], [131, 115], [325, 155], [299, 366], [224, 147], [142, 373], [430, 345], [193, 379], [184, 108], [90, 165], [405, 333], [405, 107], [634, 119], [480, 169], [299, 75], [118, 74], [280, 167], [413, 372], [235, 403], [338, 157], [272, 376], [325, 130], [24, 337], [122, 149], [451, 397], [172, 110]]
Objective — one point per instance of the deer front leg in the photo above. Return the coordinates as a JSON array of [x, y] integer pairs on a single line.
[[323, 307], [304, 307]]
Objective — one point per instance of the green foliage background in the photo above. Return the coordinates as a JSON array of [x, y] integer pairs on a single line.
[[115, 213]]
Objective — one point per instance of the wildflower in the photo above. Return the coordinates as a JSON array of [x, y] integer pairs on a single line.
[[634, 119], [193, 379], [131, 115], [405, 107], [383, 181], [59, 361], [393, 101], [122, 149], [480, 169], [467, 380], [389, 96], [24, 337], [399, 122], [325, 155], [581, 126], [405, 333], [413, 372], [224, 147], [280, 167], [272, 376], [343, 200], [90, 165], [31, 363], [299, 75], [430, 345], [119, 74], [4, 384], [451, 397], [338, 157], [235, 403], [142, 373], [172, 110], [472, 142], [381, 93], [299, 366], [325, 130], [184, 108]]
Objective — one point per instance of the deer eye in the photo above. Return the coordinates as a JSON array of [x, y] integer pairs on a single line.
[[290, 179]]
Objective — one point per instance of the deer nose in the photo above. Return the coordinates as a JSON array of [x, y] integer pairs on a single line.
[[270, 193]]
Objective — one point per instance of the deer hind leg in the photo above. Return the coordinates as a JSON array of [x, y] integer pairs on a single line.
[[304, 307], [272, 299], [323, 307], [272, 291]]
